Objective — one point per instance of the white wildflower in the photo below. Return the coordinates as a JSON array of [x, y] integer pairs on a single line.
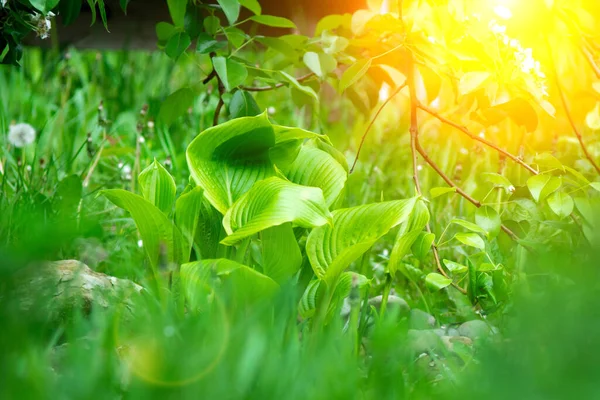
[[20, 135], [141, 139], [150, 124], [140, 243], [126, 172], [419, 167], [43, 24], [271, 110]]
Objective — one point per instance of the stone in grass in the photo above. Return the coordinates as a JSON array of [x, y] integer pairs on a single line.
[[395, 304], [57, 288], [475, 329], [419, 319]]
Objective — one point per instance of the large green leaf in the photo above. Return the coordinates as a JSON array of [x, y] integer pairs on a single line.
[[561, 204], [190, 211], [407, 235], [320, 63], [226, 160], [158, 186], [314, 167], [242, 104], [272, 202], [157, 231], [280, 252], [332, 248], [541, 186], [243, 282]]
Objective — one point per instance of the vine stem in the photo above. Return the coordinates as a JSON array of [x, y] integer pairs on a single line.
[[364, 136], [565, 104], [467, 132], [414, 139]]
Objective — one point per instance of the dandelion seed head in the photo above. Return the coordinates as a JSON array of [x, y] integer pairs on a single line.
[[20, 135]]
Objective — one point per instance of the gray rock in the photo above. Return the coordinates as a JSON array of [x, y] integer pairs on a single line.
[[450, 340], [60, 286], [424, 341], [395, 304], [453, 332], [475, 329], [419, 319]]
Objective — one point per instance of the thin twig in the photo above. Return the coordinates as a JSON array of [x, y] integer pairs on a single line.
[[218, 110], [590, 58], [464, 130], [414, 137], [276, 86], [565, 104], [364, 136]]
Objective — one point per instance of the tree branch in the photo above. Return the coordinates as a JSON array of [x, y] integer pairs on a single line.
[[565, 104], [364, 136], [464, 130], [414, 140], [276, 86]]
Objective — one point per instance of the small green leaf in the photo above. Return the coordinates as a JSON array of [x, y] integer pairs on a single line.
[[164, 31], [69, 10], [252, 5], [177, 10], [354, 73], [231, 9], [455, 267], [206, 44], [469, 225], [541, 186], [307, 90], [595, 185], [44, 6], [211, 25], [440, 191], [561, 204], [158, 186], [548, 162], [488, 219], [242, 104], [175, 106], [275, 22], [177, 44], [320, 63], [231, 72], [407, 235], [437, 282], [471, 239], [499, 181], [471, 81]]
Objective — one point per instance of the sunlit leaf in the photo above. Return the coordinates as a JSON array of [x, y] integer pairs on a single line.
[[561, 204], [541, 186], [231, 72], [280, 252], [471, 239], [455, 267], [320, 63], [252, 5], [231, 8], [158, 186], [271, 20], [272, 202], [242, 104], [407, 235], [354, 73], [469, 225], [488, 219], [226, 160], [437, 281], [593, 118], [422, 245], [472, 81], [331, 248], [440, 191]]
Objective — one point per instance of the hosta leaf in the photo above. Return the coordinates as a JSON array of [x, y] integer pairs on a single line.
[[541, 186], [226, 160], [407, 235], [440, 191], [437, 281], [156, 230], [245, 283], [471, 239], [561, 204], [288, 142], [158, 186], [271, 20], [231, 9], [231, 72], [280, 252], [469, 225], [311, 296], [272, 202], [488, 219], [187, 212], [314, 167], [354, 73], [332, 248]]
